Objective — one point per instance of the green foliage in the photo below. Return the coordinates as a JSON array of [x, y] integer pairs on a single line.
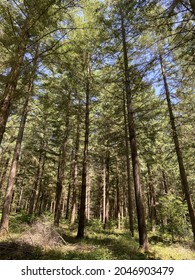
[[79, 41], [173, 210]]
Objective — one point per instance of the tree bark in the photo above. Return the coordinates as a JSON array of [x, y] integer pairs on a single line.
[[152, 200], [165, 186], [13, 77], [60, 175], [118, 198], [75, 173], [130, 203], [18, 208], [183, 176], [88, 196], [81, 225], [3, 175], [143, 240], [68, 201], [14, 166], [107, 189], [39, 176], [103, 192], [37, 180]]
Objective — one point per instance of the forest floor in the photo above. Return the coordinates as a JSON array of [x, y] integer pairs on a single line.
[[40, 240]]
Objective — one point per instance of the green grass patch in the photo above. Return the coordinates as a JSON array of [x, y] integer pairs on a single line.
[[39, 240]]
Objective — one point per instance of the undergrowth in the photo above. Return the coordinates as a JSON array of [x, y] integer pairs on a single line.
[[38, 239]]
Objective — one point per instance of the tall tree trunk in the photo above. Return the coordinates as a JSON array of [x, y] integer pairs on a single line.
[[18, 208], [107, 188], [88, 196], [81, 225], [68, 201], [143, 240], [15, 161], [183, 176], [60, 174], [37, 180], [14, 166], [8, 94], [152, 200], [12, 80], [130, 203], [118, 198], [103, 192], [39, 176], [75, 173]]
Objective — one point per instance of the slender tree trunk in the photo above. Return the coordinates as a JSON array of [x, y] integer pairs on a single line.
[[39, 176], [165, 187], [152, 201], [40, 203], [20, 198], [183, 176], [68, 201], [36, 182], [81, 225], [107, 188], [118, 201], [143, 240], [88, 196], [60, 175], [3, 175], [103, 192], [130, 203], [71, 174], [75, 173], [74, 194]]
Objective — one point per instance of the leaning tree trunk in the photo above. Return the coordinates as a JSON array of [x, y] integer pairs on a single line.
[[81, 225], [8, 95], [183, 176], [143, 240], [14, 165], [12, 79]]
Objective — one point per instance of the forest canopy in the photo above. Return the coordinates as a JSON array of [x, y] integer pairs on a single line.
[[97, 116]]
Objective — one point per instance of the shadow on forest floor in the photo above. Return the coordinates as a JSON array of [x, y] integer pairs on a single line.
[[42, 241], [24, 251], [100, 247], [90, 248]]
